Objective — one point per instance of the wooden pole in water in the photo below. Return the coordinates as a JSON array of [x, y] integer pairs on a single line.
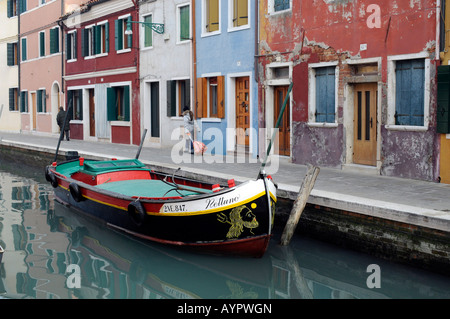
[[299, 204]]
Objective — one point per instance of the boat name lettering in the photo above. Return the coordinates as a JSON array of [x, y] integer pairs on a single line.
[[174, 208], [221, 201]]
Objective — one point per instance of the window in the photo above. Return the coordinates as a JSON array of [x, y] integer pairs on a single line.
[[12, 54], [24, 49], [24, 101], [409, 92], [239, 13], [87, 42], [148, 32], [41, 101], [75, 99], [325, 94], [210, 95], [42, 43], [178, 96], [211, 15], [184, 31], [118, 103], [11, 8], [22, 5], [71, 45], [101, 38], [13, 99], [54, 40], [122, 41], [279, 5]]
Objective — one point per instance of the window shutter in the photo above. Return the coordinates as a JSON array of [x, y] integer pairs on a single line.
[[44, 101], [97, 39], [9, 9], [410, 78], [75, 45], [107, 37], [42, 43], [148, 33], [171, 98], [126, 102], [242, 12], [118, 34], [331, 94], [39, 100], [24, 49], [10, 53], [201, 99], [11, 99], [111, 104], [443, 99], [221, 97], [130, 36], [184, 23], [213, 16]]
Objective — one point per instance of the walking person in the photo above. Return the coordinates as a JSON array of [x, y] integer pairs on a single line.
[[188, 118], [60, 120]]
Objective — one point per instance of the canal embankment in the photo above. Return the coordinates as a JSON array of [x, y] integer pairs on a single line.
[[398, 219]]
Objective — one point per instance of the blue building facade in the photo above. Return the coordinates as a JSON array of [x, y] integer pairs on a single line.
[[226, 105]]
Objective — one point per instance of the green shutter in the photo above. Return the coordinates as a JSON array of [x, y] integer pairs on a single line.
[[11, 99], [9, 9], [111, 104], [39, 100], [10, 53], [126, 102], [24, 101], [130, 36], [84, 42], [443, 99], [107, 37], [148, 38], [184, 23], [119, 34], [42, 44], [54, 40], [97, 39], [44, 101], [171, 98], [24, 49]]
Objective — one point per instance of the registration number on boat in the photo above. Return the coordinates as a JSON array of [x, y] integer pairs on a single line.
[[174, 208]]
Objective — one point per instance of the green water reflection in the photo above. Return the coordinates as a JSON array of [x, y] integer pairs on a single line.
[[43, 239]]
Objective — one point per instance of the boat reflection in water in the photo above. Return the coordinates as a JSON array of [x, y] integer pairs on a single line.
[[47, 239]]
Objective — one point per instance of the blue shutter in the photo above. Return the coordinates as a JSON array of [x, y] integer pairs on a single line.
[[409, 95], [325, 95]]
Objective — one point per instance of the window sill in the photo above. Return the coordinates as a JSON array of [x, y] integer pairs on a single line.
[[123, 51], [242, 27], [410, 128], [210, 120], [324, 125], [210, 34], [120, 123]]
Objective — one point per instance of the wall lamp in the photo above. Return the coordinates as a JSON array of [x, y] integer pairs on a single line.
[[157, 27]]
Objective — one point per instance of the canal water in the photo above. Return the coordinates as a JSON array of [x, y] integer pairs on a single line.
[[52, 252]]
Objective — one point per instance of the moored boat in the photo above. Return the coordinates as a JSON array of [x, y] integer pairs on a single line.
[[128, 196]]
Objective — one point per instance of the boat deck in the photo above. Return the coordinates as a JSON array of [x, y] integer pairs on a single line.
[[149, 188]]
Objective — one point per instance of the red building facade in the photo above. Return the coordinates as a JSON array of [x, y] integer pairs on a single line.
[[364, 83], [102, 72]]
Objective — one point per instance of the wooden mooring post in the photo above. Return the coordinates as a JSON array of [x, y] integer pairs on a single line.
[[299, 204]]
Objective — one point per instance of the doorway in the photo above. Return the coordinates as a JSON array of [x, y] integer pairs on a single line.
[[284, 129], [91, 112], [365, 124], [242, 112], [154, 109]]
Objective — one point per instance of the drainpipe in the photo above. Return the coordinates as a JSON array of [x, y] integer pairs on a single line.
[[194, 61], [438, 29], [19, 58]]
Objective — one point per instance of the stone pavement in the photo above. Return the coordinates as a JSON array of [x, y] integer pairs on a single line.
[[409, 201]]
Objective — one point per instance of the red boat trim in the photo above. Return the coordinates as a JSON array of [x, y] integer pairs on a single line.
[[254, 246]]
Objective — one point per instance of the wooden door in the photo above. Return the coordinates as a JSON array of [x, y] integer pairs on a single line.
[[284, 129], [91, 112], [365, 124], [242, 111]]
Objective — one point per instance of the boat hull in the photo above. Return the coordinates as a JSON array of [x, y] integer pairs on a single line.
[[235, 221]]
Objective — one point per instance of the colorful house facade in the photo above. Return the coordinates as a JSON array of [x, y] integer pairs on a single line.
[[102, 71], [9, 67], [364, 83], [165, 69], [226, 104]]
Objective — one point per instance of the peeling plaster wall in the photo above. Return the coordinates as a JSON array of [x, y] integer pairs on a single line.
[[337, 30]]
